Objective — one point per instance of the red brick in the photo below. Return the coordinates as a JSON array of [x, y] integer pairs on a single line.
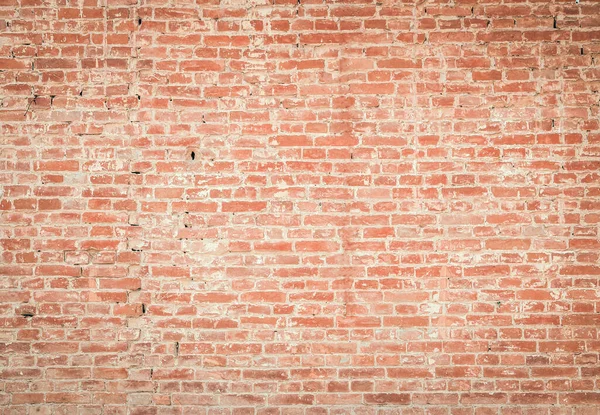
[[173, 374], [387, 398], [68, 373], [211, 207], [580, 398]]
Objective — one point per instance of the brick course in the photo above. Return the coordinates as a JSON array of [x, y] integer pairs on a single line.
[[300, 207]]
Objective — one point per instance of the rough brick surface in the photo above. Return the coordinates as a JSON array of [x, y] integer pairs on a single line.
[[299, 207]]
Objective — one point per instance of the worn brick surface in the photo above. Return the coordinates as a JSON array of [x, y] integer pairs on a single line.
[[299, 207]]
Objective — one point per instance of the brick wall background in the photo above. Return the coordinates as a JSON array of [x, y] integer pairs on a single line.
[[299, 207]]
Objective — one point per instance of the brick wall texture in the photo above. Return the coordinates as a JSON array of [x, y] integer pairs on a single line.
[[301, 207]]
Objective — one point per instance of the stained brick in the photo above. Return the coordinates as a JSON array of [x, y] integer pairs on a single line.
[[234, 207]]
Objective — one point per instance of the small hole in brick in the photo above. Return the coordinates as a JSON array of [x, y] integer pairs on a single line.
[[193, 155], [139, 21]]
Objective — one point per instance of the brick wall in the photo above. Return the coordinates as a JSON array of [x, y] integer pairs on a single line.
[[299, 207]]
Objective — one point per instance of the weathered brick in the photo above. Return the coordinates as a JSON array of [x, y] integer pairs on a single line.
[[234, 207]]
